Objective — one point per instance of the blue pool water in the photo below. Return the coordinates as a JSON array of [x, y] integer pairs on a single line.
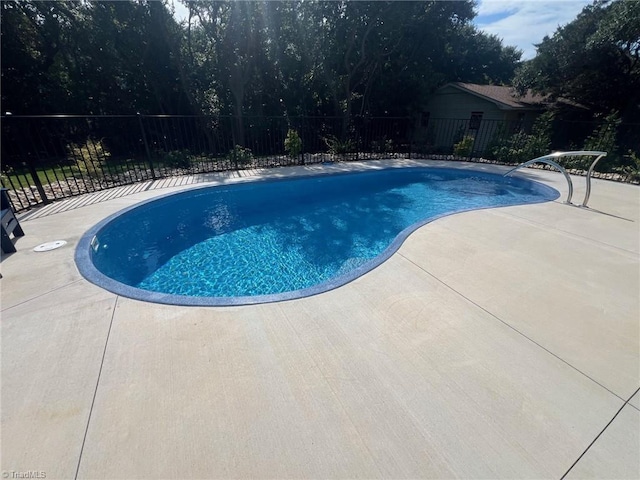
[[272, 240]]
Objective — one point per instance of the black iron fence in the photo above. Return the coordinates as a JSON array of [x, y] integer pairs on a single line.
[[46, 158]]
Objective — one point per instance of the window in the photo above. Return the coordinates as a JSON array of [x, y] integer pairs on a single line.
[[474, 121]]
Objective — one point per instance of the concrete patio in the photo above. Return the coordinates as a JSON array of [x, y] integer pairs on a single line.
[[500, 343]]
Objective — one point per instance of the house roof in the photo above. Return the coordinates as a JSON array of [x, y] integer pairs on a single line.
[[504, 97]]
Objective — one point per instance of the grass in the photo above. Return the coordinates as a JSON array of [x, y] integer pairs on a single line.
[[16, 178], [45, 175]]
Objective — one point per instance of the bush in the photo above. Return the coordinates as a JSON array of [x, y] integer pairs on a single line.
[[293, 143], [384, 145], [539, 142], [605, 138], [630, 166], [240, 155], [424, 140], [337, 146], [510, 149], [176, 159], [464, 147], [89, 156], [521, 147]]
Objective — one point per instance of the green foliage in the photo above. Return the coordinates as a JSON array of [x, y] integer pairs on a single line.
[[498, 140], [12, 177], [604, 138], [90, 57], [337, 146], [539, 142], [593, 60], [240, 58], [543, 127], [240, 155], [424, 140], [89, 157], [482, 57], [176, 159], [630, 166], [520, 147], [464, 147], [384, 145], [510, 149], [293, 143]]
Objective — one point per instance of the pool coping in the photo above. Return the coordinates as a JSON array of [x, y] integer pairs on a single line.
[[84, 263]]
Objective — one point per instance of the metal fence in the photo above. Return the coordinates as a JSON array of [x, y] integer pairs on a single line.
[[50, 157], [45, 158]]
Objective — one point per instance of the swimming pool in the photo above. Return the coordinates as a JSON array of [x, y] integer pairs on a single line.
[[274, 240]]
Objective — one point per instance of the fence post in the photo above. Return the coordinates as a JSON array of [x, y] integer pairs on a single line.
[[146, 145], [473, 147], [409, 128], [37, 182], [301, 128], [30, 166]]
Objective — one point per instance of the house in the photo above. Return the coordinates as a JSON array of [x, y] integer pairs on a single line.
[[460, 109]]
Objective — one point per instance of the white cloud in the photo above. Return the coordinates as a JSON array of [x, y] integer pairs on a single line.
[[489, 7], [523, 23]]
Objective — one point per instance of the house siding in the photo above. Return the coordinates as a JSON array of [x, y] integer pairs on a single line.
[[451, 102], [450, 110]]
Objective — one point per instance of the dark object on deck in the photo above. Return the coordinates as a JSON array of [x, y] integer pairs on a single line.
[[9, 223]]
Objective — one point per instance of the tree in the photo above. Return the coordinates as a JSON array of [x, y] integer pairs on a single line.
[[90, 57], [418, 46], [593, 60], [478, 57], [35, 39], [233, 33], [242, 59], [127, 59]]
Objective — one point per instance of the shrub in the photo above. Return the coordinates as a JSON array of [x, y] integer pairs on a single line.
[[424, 140], [337, 146], [464, 147], [539, 142], [240, 155], [520, 146], [176, 159], [510, 149], [630, 166], [384, 145], [89, 156], [605, 138], [498, 140], [293, 143]]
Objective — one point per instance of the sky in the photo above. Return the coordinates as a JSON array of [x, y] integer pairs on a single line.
[[520, 23]]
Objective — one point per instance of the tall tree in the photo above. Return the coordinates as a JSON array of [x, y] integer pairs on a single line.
[[593, 60], [240, 58], [439, 45], [36, 37], [233, 33], [90, 57]]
